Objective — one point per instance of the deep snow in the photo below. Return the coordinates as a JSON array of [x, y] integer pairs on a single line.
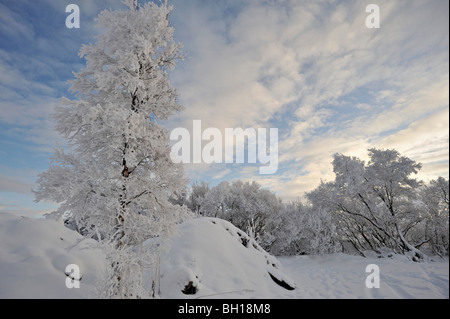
[[343, 276], [34, 254], [221, 261]]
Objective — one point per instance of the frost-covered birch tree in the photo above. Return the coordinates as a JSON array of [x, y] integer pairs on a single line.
[[116, 176]]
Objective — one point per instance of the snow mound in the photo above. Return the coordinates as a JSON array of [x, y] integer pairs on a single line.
[[34, 254], [211, 258]]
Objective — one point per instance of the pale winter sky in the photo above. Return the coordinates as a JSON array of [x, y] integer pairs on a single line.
[[312, 69]]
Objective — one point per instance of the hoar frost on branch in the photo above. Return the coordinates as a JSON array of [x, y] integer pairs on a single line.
[[373, 203], [116, 178]]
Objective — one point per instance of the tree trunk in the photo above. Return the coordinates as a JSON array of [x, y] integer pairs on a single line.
[[418, 255], [120, 231]]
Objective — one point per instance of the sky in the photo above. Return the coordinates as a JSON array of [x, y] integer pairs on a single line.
[[312, 69]]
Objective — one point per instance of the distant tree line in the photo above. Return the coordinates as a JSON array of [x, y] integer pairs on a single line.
[[375, 206]]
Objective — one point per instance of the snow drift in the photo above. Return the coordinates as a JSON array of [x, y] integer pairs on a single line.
[[34, 254], [211, 258]]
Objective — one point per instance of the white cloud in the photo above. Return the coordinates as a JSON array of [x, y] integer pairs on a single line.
[[12, 185], [426, 141], [352, 87], [14, 25], [222, 174]]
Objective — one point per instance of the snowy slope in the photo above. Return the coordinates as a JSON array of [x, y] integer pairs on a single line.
[[34, 254], [221, 261]]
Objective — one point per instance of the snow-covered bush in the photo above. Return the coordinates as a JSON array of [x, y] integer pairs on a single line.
[[300, 230], [435, 198], [245, 205], [197, 193]]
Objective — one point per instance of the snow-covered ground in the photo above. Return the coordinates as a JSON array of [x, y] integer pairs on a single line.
[[215, 256], [34, 255], [344, 276]]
